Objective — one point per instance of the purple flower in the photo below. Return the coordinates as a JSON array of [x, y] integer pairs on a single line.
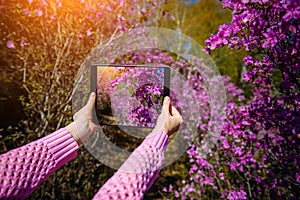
[[248, 60], [221, 175], [143, 11], [237, 195], [170, 188], [292, 11], [246, 76], [39, 12], [298, 177], [10, 44], [233, 166], [22, 43], [88, 32], [108, 8], [164, 189], [27, 12], [225, 143]]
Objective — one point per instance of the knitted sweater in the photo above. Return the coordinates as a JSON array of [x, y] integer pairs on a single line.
[[24, 168]]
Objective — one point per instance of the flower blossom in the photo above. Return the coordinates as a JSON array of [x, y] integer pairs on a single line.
[[10, 44]]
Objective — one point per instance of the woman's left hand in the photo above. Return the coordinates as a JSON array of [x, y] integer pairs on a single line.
[[83, 126]]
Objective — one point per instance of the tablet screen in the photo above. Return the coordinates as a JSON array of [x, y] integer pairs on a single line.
[[129, 95]]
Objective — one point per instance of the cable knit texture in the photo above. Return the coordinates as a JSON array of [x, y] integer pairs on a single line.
[[23, 169], [138, 172]]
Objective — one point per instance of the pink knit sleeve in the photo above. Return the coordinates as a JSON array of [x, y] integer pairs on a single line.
[[24, 168], [138, 172]]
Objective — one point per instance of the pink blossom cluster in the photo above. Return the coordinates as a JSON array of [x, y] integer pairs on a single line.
[[142, 90]]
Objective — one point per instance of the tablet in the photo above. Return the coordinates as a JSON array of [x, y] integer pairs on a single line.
[[129, 95]]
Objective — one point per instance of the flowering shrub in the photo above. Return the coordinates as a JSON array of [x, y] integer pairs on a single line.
[[258, 154]]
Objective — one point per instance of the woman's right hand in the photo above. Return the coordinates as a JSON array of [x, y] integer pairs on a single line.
[[170, 119]]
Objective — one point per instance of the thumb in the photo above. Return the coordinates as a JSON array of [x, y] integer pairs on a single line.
[[91, 101], [166, 105]]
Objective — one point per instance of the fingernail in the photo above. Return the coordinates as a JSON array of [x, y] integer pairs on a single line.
[[167, 99], [93, 94]]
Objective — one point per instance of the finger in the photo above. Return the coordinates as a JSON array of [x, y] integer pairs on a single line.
[[166, 104], [175, 112], [91, 101], [74, 116]]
